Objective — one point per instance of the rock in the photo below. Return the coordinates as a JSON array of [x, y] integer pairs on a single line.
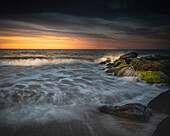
[[110, 70], [152, 76], [161, 103], [118, 62], [103, 62], [152, 69], [110, 65], [138, 63], [133, 111], [108, 60], [163, 129], [122, 69], [152, 66], [116, 69], [129, 55], [128, 60], [127, 71], [156, 58]]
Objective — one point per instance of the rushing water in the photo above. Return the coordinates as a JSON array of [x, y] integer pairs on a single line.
[[38, 86]]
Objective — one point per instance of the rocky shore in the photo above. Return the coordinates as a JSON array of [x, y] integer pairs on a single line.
[[151, 69]]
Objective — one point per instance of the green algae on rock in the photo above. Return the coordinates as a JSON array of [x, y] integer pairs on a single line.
[[152, 69], [152, 76], [127, 71], [134, 111], [118, 62]]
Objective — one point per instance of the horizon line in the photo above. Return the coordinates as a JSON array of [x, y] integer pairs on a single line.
[[86, 49]]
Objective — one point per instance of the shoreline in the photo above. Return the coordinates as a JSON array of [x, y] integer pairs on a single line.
[[36, 103], [93, 123]]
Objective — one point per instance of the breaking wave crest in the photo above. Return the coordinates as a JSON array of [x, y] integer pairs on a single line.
[[41, 62], [37, 61]]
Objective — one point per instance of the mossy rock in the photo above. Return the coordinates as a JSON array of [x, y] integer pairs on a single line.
[[152, 66], [152, 76], [152, 69], [135, 111], [110, 65], [111, 70], [118, 62], [128, 60], [126, 71], [117, 69], [138, 63], [122, 69]]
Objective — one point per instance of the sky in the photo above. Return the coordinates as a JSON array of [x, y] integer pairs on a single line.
[[84, 24]]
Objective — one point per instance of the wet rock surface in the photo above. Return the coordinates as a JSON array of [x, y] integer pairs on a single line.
[[151, 69], [133, 111], [163, 129], [129, 55], [153, 76], [161, 103]]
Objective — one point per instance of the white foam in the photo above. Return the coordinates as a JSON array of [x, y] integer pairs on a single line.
[[71, 87], [40, 62], [112, 57], [29, 114]]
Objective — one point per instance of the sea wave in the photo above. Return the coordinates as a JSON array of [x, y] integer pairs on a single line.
[[41, 62]]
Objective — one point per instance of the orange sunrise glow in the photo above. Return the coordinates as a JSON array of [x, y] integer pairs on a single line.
[[43, 43], [51, 42]]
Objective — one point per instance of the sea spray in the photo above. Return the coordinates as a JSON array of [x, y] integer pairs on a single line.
[[61, 89]]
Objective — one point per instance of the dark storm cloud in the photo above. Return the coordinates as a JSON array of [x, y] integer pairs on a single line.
[[25, 28], [105, 19], [89, 8]]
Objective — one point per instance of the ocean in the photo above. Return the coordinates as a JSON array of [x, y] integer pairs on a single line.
[[60, 90]]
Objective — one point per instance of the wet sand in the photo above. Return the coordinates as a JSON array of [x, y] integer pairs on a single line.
[[93, 123]]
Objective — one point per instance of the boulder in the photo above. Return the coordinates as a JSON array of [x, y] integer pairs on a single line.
[[111, 70], [129, 55], [152, 66], [163, 129], [152, 76], [118, 62], [161, 103], [133, 111], [152, 69], [109, 65], [137, 63], [126, 71]]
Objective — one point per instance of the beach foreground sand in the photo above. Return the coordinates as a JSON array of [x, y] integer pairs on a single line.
[[93, 123]]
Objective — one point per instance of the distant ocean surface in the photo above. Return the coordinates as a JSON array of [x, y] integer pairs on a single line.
[[38, 86]]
